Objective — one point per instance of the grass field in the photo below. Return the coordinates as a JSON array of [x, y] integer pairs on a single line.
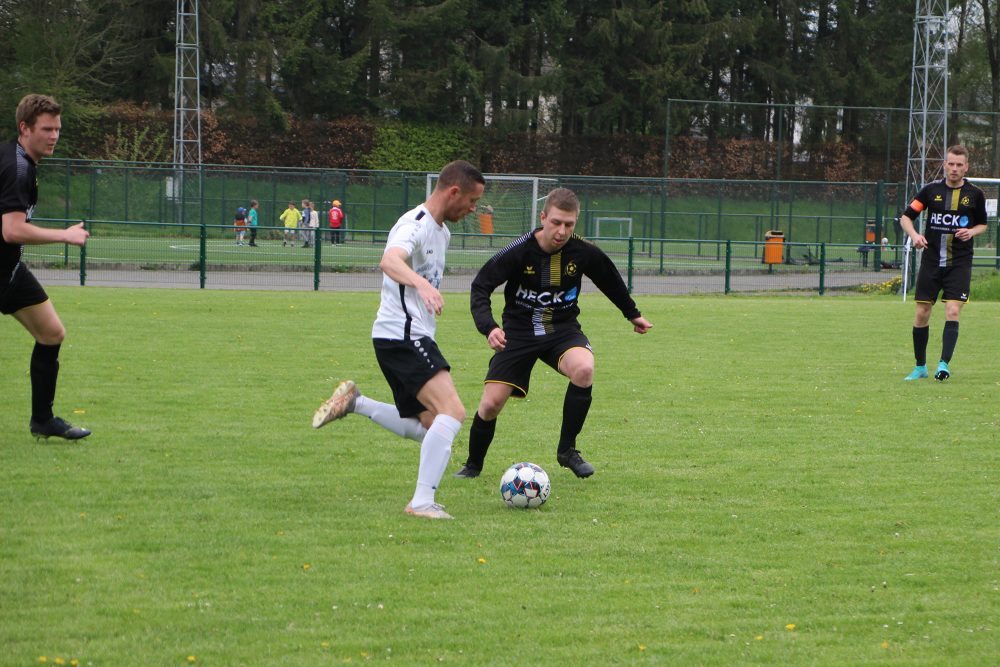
[[768, 491]]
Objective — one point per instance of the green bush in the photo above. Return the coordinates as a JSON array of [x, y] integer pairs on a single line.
[[410, 147]]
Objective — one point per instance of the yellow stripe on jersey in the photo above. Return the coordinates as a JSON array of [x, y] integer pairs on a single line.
[[555, 269], [547, 320], [954, 199]]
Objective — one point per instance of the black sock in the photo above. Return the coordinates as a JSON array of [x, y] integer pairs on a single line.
[[948, 340], [576, 405], [44, 372], [480, 437], [920, 336]]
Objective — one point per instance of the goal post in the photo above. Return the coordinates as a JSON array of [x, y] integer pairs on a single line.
[[605, 227], [509, 205]]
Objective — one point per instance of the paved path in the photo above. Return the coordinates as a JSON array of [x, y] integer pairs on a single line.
[[698, 283]]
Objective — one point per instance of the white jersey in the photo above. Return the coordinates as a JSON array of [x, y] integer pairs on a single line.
[[401, 313]]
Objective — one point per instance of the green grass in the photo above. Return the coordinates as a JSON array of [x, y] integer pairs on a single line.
[[768, 491], [986, 287]]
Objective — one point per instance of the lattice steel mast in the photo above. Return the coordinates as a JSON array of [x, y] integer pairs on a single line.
[[928, 134], [187, 106]]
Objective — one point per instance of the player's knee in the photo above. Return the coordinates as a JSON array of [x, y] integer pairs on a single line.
[[53, 334], [489, 410], [582, 376], [456, 411]]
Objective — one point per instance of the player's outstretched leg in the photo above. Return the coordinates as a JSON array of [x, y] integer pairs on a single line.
[[943, 372], [480, 437], [918, 373], [338, 405], [56, 427]]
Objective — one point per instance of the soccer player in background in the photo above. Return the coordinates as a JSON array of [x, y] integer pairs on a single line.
[[955, 214], [543, 271], [21, 295], [427, 406]]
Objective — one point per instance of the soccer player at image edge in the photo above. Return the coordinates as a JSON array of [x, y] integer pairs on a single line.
[[955, 213]]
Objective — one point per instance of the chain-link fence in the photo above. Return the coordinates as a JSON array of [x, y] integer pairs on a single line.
[[128, 253]]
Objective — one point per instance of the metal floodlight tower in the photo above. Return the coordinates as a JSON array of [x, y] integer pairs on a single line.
[[928, 133], [187, 106]]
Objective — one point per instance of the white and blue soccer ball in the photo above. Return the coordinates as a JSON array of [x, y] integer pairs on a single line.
[[525, 485]]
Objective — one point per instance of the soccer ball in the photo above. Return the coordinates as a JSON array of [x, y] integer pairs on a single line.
[[525, 485]]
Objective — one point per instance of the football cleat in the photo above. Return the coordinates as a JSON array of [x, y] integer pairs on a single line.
[[918, 372], [943, 372], [339, 404], [468, 471], [571, 459], [432, 511], [57, 428]]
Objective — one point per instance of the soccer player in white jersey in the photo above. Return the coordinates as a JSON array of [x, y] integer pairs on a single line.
[[427, 407]]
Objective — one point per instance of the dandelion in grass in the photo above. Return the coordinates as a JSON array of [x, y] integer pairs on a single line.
[[790, 627], [306, 567], [482, 561], [191, 658]]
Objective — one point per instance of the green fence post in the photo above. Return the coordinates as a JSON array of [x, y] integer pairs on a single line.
[[822, 268], [718, 224], [631, 261], [317, 258], [65, 246], [879, 187], [69, 177], [201, 255], [729, 264], [83, 261]]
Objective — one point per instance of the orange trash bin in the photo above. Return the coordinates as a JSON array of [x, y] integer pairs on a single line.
[[774, 247]]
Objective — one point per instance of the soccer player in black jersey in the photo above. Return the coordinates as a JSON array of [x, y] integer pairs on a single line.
[[38, 124], [955, 213], [543, 271]]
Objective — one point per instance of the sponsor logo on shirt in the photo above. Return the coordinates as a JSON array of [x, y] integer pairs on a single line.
[[545, 299], [529, 270], [571, 269], [949, 220]]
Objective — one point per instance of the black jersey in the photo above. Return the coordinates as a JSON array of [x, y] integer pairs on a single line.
[[948, 210], [18, 192], [543, 290]]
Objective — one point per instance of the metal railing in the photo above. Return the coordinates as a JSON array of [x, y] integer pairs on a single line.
[[157, 254]]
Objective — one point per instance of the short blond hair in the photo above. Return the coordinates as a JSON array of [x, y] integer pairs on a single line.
[[34, 105], [563, 199]]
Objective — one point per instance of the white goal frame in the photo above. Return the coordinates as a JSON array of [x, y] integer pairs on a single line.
[[605, 219], [533, 182]]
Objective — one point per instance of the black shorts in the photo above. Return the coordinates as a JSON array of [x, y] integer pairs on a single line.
[[407, 366], [23, 290], [951, 281], [513, 364]]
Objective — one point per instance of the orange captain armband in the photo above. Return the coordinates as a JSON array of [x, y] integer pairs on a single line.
[[917, 205]]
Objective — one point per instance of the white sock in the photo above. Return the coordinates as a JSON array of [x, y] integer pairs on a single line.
[[435, 450], [387, 417]]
